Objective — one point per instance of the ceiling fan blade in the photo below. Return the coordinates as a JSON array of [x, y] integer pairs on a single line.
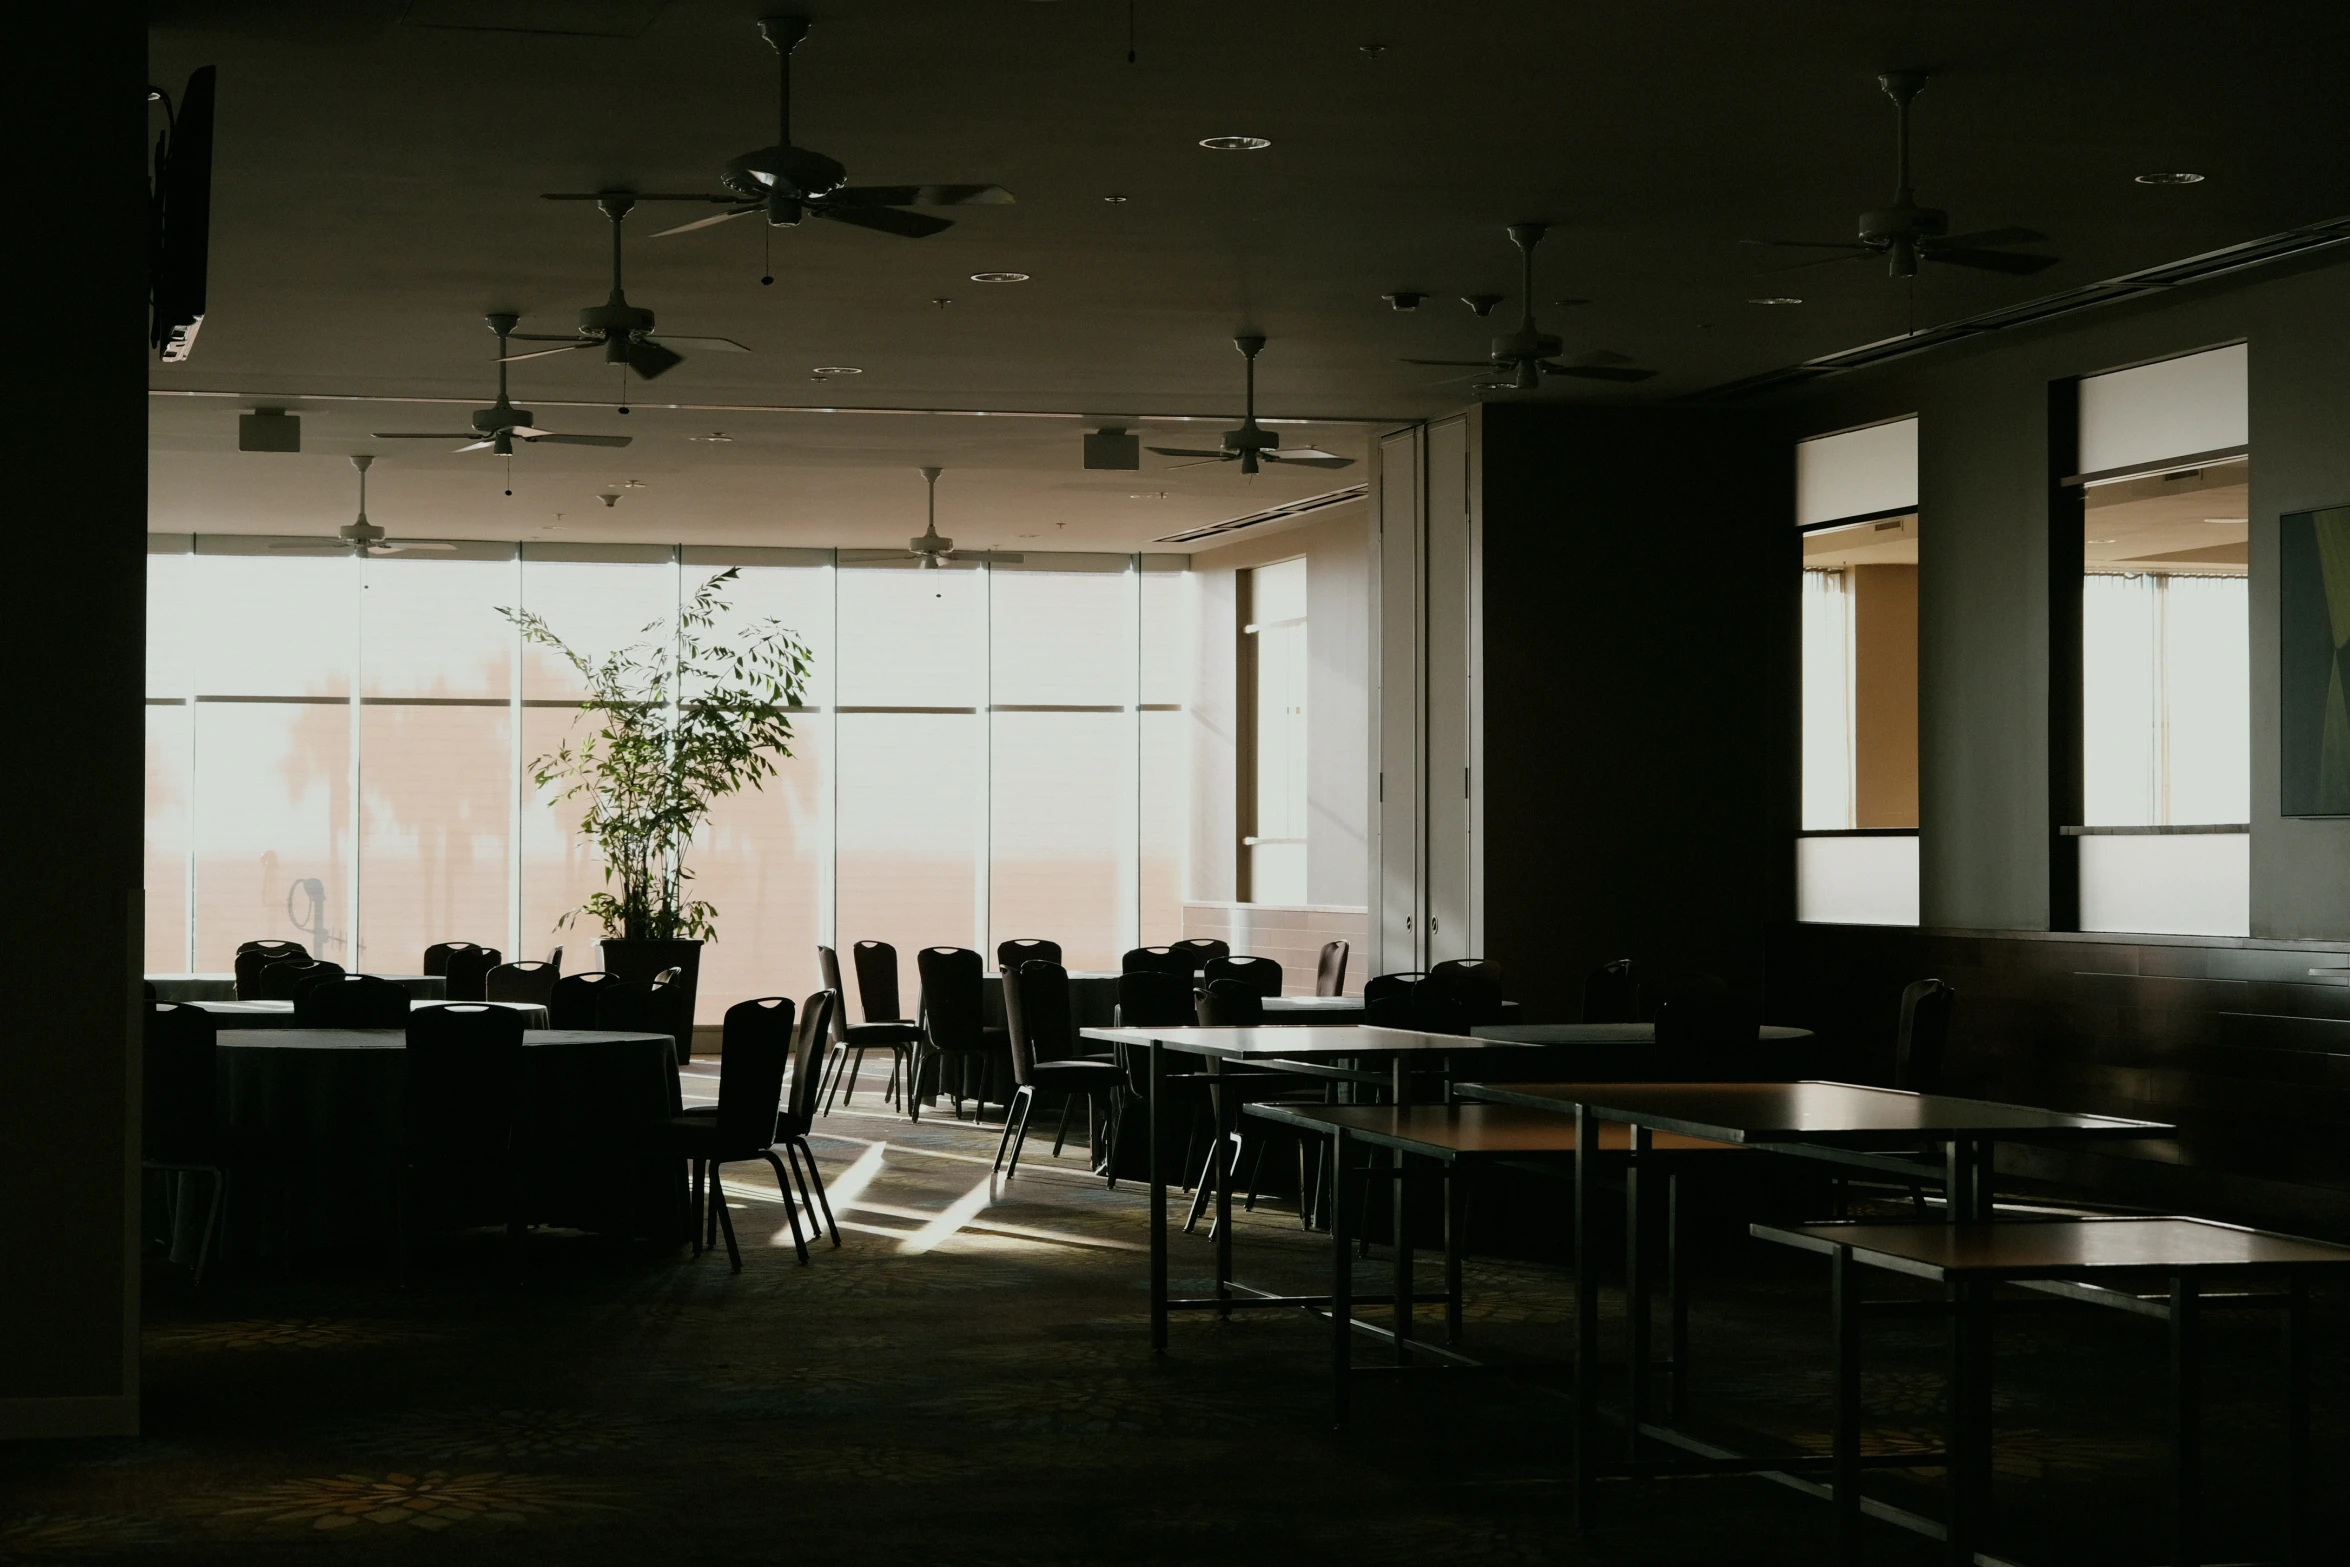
[[312, 547], [1189, 451], [650, 360], [726, 200], [886, 220], [1857, 253], [478, 446], [542, 353], [545, 438], [397, 546], [920, 196], [2014, 263], [992, 557], [1461, 364], [410, 435], [1809, 244], [1598, 372], [703, 223], [1307, 457], [723, 344], [1601, 356], [546, 337], [1986, 237]]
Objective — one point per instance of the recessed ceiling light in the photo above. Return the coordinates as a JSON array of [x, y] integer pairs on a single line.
[[2229, 522], [1234, 143], [838, 370], [715, 437], [1115, 201], [1148, 495], [1776, 299], [999, 277], [2159, 178]]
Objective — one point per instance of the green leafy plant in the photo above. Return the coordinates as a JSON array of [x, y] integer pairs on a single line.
[[677, 721]]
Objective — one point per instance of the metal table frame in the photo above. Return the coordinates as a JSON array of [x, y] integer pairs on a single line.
[[1969, 1131]]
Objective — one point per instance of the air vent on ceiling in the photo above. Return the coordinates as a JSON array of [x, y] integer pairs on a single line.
[[1353, 492]]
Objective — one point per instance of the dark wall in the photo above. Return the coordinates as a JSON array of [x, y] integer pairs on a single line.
[[74, 603], [1984, 581], [1638, 691]]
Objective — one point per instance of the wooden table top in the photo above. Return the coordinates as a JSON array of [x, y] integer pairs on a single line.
[[1846, 1115], [1243, 1044], [2058, 1248], [1451, 1132], [1608, 1033]]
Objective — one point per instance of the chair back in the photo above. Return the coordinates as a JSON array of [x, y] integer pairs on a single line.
[[351, 1001], [464, 1089], [828, 962], [437, 956], [1156, 960], [1049, 1020], [284, 980], [571, 1000], [1230, 1003], [1459, 994], [1009, 955], [468, 973], [1147, 999], [1263, 973], [1611, 993], [637, 1008], [1330, 969], [877, 981], [669, 976], [1925, 1033], [819, 1021], [755, 1046], [953, 1000], [1387, 1000], [1197, 950], [254, 956], [525, 979], [180, 1085], [555, 957]]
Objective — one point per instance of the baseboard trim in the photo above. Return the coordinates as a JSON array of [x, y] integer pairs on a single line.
[[113, 1414]]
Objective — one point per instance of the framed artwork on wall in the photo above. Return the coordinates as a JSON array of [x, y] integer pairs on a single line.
[[2315, 662]]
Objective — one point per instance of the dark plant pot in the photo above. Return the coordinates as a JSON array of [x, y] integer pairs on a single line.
[[641, 960]]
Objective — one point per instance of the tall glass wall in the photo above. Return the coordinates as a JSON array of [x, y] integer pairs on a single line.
[[339, 750]]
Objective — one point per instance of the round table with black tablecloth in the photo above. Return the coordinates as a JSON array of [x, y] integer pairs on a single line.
[[280, 1014], [223, 987], [323, 1111]]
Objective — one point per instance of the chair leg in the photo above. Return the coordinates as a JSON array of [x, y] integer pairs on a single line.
[[1112, 1118], [1061, 1135], [914, 1087], [725, 1220], [791, 1206], [1019, 1097], [1026, 1098], [693, 1217], [1216, 1166], [815, 1178], [832, 1065], [714, 1208], [897, 1061], [212, 1208], [856, 1071], [1256, 1167]]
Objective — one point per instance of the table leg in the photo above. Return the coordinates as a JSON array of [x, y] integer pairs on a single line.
[[1158, 1182], [1637, 1316], [1845, 1298], [1227, 1123], [1969, 1438], [1456, 1210], [2186, 1373], [1400, 1079], [1677, 1290], [1586, 1316], [2297, 1468], [1341, 1283]]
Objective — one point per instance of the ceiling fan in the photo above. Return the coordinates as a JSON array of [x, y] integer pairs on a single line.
[[361, 537], [1906, 233], [495, 428], [1252, 443], [622, 330], [1521, 359], [790, 184], [934, 552]]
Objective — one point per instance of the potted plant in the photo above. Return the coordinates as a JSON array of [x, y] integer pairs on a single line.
[[677, 721]]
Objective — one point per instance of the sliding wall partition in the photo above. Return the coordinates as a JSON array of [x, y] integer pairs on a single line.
[[339, 753]]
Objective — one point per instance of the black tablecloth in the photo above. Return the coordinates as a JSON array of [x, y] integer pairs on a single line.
[[322, 1110], [223, 987], [280, 1014]]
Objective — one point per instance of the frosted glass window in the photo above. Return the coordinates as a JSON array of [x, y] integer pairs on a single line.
[[2183, 884], [1858, 473], [1163, 788], [2173, 408], [272, 828], [171, 626], [559, 869], [1868, 880], [432, 628], [912, 638], [596, 607], [1827, 702], [1277, 631], [273, 625], [1060, 635], [437, 807], [1057, 819], [2166, 680], [166, 874], [911, 813]]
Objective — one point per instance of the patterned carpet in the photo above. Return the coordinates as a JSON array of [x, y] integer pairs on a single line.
[[967, 1381]]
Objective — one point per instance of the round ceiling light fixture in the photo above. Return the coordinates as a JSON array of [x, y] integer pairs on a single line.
[[1115, 201], [2171, 178], [999, 277], [1234, 143], [1775, 299], [838, 370]]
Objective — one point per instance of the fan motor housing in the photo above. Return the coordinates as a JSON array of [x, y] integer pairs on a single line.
[[783, 171], [1251, 438], [1903, 222], [505, 417], [614, 322]]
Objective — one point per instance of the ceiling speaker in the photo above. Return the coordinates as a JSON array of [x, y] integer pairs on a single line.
[[269, 430], [1113, 448]]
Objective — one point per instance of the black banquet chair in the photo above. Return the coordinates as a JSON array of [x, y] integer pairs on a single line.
[[468, 972], [756, 1053], [849, 1041], [1263, 974], [180, 1131], [1009, 955], [636, 1007], [572, 1000], [1330, 969], [1611, 993], [525, 979], [955, 1035], [437, 956], [1919, 1048], [351, 1001], [463, 1111], [1043, 1043], [254, 956], [283, 981], [1197, 950], [1156, 960]]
